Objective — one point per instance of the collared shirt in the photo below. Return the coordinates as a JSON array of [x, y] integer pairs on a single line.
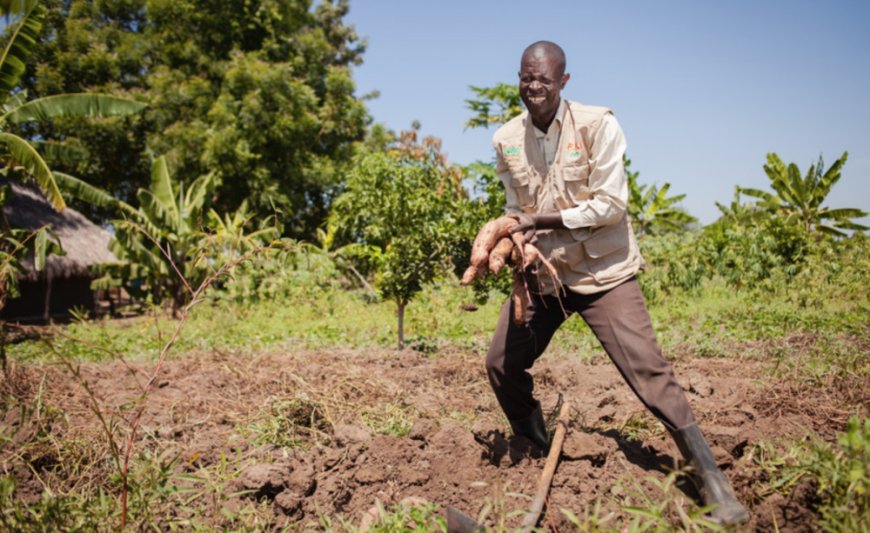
[[607, 178]]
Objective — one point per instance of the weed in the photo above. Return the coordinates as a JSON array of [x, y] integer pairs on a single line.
[[407, 517], [593, 520], [640, 427], [839, 473], [290, 423], [389, 419], [495, 506]]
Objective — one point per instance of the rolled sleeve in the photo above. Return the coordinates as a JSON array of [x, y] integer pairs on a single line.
[[607, 180]]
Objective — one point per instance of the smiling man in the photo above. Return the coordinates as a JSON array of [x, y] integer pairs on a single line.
[[561, 164]]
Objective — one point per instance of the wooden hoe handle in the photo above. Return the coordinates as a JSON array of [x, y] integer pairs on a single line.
[[531, 518]]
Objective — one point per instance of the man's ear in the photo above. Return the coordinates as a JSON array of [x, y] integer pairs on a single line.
[[565, 78]]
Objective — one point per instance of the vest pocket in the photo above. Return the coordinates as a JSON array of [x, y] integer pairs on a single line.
[[521, 184], [576, 180], [607, 252]]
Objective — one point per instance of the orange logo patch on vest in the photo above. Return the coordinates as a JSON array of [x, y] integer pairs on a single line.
[[574, 150]]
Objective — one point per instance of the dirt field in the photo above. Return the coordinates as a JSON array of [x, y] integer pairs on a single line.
[[438, 433]]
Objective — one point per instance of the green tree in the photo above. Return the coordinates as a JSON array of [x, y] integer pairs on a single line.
[[400, 207], [798, 200], [494, 105], [652, 212], [19, 157], [17, 152], [259, 91]]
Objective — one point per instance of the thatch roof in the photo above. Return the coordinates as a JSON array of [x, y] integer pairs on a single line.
[[84, 242]]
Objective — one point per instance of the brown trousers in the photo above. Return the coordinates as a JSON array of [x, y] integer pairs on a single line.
[[619, 319]]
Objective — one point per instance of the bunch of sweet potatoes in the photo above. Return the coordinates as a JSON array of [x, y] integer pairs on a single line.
[[494, 247]]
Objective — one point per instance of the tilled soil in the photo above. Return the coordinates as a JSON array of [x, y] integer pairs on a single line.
[[330, 433]]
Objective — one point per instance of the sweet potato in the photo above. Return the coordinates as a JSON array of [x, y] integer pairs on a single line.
[[469, 275], [500, 254], [516, 257], [521, 298], [519, 308], [532, 254], [487, 237], [519, 246]]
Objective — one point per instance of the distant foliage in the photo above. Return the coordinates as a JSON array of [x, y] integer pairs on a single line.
[[798, 200], [17, 112], [259, 91], [494, 105], [292, 273], [768, 243], [651, 210], [170, 243], [675, 263], [788, 242], [24, 160], [162, 235]]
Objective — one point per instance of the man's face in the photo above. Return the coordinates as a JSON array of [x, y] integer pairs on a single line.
[[541, 83]]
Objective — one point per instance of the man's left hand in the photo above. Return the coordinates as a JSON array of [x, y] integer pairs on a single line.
[[527, 224]]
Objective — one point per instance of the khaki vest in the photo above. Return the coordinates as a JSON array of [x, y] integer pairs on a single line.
[[589, 260]]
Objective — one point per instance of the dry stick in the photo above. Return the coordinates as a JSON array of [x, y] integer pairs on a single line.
[[137, 418], [531, 518]]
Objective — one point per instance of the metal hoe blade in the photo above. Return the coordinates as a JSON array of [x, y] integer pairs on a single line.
[[459, 522]]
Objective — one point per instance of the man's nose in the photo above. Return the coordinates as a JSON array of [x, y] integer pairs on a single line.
[[535, 85]]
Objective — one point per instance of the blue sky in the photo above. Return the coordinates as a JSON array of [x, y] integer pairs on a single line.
[[703, 90]]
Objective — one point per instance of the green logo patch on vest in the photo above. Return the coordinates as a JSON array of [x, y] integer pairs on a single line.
[[512, 150]]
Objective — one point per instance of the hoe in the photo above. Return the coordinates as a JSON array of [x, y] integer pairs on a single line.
[[458, 522]]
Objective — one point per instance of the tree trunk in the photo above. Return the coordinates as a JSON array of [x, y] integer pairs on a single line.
[[401, 315]]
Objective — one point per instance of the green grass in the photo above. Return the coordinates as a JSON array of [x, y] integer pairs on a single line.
[[838, 472], [715, 321], [328, 319]]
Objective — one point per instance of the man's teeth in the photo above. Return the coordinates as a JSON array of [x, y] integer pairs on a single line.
[[536, 99]]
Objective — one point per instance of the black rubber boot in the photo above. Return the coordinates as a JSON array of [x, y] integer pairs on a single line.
[[714, 487], [533, 428]]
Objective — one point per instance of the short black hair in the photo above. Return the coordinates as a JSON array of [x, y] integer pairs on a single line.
[[548, 48]]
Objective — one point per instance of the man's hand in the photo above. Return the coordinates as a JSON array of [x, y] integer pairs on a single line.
[[526, 225]]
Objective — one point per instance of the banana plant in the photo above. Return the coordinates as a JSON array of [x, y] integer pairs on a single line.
[[170, 242], [159, 244], [15, 151], [652, 211], [798, 200], [231, 239], [13, 7]]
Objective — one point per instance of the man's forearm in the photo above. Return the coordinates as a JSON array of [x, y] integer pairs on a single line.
[[549, 221]]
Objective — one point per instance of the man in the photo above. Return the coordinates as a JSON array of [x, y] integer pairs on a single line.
[[561, 164]]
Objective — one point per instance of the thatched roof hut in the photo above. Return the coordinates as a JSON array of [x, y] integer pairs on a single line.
[[84, 242], [65, 282]]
